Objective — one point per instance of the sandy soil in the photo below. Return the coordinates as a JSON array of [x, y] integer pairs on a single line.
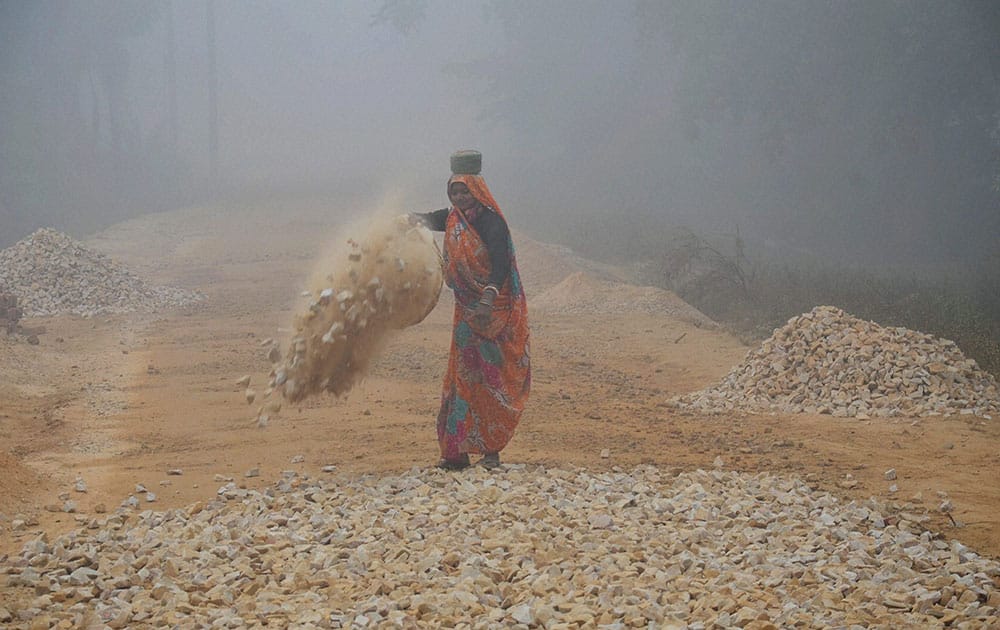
[[118, 401]]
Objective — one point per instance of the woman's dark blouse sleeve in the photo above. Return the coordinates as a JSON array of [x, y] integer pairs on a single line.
[[436, 220], [492, 230], [496, 236]]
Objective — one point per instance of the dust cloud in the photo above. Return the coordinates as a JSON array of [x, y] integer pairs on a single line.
[[381, 275]]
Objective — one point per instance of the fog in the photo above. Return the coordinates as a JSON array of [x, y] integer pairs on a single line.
[[852, 131]]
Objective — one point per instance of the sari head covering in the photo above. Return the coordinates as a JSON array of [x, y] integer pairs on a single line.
[[478, 188], [489, 368]]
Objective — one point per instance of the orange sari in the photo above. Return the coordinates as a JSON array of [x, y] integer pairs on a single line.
[[489, 370]]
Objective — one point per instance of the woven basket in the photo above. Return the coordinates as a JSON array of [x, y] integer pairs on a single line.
[[466, 162]]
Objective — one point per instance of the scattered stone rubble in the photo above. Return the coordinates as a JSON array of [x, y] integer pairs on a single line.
[[826, 361], [520, 547], [386, 279], [52, 274]]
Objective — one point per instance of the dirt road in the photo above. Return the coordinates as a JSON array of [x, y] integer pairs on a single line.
[[119, 401]]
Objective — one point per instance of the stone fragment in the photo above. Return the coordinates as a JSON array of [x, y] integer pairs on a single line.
[[522, 614], [600, 521], [274, 354], [82, 576]]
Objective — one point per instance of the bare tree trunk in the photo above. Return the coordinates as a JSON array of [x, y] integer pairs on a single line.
[[114, 97], [171, 62], [213, 104], [95, 118]]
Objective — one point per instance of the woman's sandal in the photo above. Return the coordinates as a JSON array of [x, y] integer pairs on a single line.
[[490, 461], [454, 464]]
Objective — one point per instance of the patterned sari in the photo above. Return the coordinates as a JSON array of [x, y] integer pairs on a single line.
[[489, 369]]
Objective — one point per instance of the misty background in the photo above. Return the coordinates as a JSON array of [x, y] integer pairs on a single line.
[[862, 132]]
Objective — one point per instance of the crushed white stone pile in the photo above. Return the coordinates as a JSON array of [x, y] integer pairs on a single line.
[[52, 274], [387, 276], [513, 548], [826, 361]]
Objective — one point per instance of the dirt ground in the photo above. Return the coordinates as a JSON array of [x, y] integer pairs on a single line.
[[118, 401]]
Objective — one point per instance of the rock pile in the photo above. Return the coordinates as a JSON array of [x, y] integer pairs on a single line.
[[513, 548], [10, 313], [387, 278], [826, 361], [52, 274], [581, 293], [544, 265]]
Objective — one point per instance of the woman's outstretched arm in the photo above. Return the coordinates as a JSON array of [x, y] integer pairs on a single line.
[[436, 220]]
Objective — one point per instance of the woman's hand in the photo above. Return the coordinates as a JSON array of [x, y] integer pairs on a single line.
[[482, 314]]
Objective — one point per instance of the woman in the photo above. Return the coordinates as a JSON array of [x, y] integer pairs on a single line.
[[489, 369]]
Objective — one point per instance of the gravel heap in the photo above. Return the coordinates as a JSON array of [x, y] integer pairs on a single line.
[[826, 361], [517, 547], [52, 274], [543, 265], [581, 293]]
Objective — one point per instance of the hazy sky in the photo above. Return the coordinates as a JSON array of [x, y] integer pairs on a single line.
[[314, 91], [849, 128]]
